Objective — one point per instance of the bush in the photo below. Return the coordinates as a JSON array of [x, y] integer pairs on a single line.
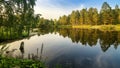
[[19, 63]]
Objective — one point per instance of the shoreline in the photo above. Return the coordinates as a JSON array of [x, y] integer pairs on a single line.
[[99, 27]]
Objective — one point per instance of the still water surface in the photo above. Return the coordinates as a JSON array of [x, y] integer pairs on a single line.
[[72, 48]]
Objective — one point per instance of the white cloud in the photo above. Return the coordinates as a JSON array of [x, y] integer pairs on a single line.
[[53, 10]]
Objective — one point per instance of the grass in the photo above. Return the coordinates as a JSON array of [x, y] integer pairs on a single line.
[[82, 26], [64, 26], [19, 63], [107, 27], [100, 27], [117, 27]]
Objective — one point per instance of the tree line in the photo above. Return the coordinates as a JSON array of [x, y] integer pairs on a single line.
[[45, 23], [92, 16]]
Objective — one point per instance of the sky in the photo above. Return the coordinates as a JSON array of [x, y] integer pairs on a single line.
[[53, 9]]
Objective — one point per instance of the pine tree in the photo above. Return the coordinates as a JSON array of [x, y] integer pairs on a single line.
[[105, 13]]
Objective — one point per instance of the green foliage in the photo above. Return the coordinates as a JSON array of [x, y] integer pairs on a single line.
[[91, 16], [20, 63], [9, 62], [106, 13], [16, 17], [63, 20], [74, 17], [105, 7], [45, 23]]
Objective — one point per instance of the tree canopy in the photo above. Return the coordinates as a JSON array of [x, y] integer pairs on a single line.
[[92, 16], [16, 17]]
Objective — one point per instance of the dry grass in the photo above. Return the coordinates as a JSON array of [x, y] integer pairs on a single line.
[[100, 27]]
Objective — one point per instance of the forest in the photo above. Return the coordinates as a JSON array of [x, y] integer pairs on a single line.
[[92, 16]]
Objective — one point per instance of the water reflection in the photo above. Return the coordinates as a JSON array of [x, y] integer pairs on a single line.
[[91, 37], [41, 51], [22, 48], [88, 36], [72, 48]]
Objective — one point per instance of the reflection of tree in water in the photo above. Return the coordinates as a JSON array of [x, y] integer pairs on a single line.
[[22, 49], [45, 31], [91, 37], [107, 39]]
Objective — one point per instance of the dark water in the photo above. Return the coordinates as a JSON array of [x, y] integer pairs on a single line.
[[71, 48]]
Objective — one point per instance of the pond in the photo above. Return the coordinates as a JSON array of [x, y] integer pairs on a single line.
[[70, 48]]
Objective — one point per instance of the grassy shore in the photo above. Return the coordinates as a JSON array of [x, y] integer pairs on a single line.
[[64, 26], [19, 63], [100, 27]]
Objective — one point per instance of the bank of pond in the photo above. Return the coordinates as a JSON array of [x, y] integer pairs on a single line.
[[6, 62], [100, 27]]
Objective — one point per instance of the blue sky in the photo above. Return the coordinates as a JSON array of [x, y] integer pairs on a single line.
[[55, 8]]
